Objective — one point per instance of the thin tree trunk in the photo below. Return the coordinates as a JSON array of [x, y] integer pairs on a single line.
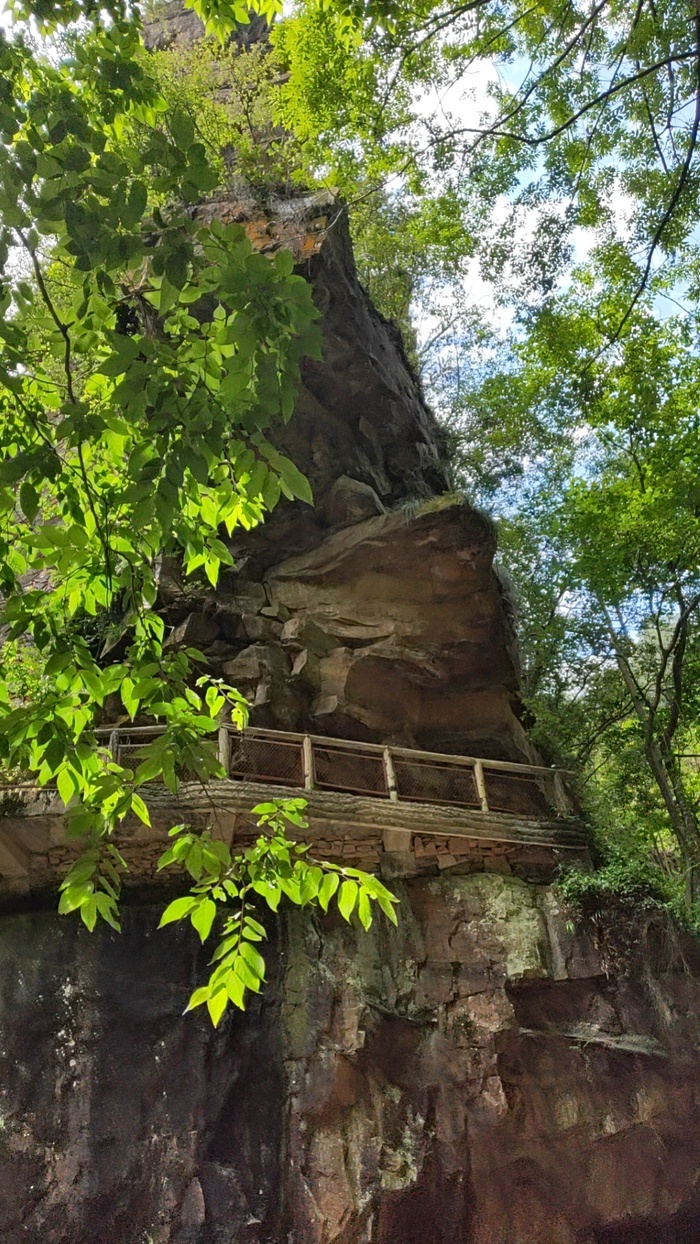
[[669, 781]]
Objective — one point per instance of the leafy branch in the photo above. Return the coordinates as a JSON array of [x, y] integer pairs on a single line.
[[272, 868]]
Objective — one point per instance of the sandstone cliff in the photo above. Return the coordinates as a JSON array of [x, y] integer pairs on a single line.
[[480, 1076], [375, 614]]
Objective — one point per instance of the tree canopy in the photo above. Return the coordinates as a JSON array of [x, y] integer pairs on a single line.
[[144, 359]]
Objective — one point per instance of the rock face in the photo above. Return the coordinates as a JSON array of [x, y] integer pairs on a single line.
[[478, 1076], [488, 1077], [394, 632], [482, 1075], [114, 1111], [376, 614]]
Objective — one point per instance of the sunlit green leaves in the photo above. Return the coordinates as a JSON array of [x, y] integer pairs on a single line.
[[270, 867], [144, 361], [143, 364]]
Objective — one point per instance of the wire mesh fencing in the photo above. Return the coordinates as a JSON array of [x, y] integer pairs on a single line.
[[128, 750], [304, 761], [266, 760], [357, 772], [431, 782], [517, 793]]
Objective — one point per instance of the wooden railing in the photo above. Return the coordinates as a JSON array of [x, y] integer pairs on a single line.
[[313, 762]]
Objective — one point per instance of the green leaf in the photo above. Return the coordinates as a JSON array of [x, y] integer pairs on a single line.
[[347, 899], [272, 896], [176, 269], [182, 129], [29, 501], [246, 974], [364, 909], [177, 910], [386, 902], [135, 205], [199, 996], [330, 884], [73, 897], [88, 912], [106, 907], [202, 918], [139, 807], [235, 988], [284, 262], [254, 959], [66, 785], [148, 769], [289, 475], [216, 1005]]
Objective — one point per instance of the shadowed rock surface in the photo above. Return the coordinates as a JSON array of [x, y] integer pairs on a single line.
[[480, 1076], [122, 1121]]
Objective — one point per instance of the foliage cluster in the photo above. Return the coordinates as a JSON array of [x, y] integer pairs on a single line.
[[629, 883], [144, 359], [274, 867], [230, 97]]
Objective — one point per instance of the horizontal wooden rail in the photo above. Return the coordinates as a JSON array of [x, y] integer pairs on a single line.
[[400, 774], [410, 753], [351, 745]]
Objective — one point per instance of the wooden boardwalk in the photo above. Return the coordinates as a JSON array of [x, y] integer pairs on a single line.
[[387, 808], [399, 774]]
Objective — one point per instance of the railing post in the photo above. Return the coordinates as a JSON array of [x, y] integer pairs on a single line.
[[224, 749], [307, 760], [113, 745], [390, 775], [562, 802], [480, 783]]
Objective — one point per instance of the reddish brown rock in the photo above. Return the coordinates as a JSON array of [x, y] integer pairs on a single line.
[[449, 1082]]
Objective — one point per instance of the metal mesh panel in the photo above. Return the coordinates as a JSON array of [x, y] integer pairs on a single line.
[[429, 782], [130, 753], [266, 760], [518, 793], [360, 773]]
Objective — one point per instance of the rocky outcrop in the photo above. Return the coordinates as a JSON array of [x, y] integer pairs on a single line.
[[489, 1076], [483, 1074], [374, 614], [391, 629]]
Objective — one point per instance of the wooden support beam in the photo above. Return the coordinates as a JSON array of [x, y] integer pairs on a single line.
[[224, 749], [480, 783], [562, 801]]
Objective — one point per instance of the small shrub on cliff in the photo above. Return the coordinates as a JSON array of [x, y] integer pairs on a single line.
[[628, 883]]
